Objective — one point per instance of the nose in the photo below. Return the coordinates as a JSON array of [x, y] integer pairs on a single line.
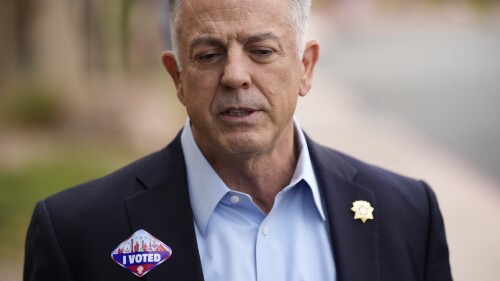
[[236, 73]]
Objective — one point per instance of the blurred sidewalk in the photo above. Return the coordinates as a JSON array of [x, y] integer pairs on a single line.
[[468, 199]]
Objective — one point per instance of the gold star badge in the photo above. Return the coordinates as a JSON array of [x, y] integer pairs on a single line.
[[362, 210]]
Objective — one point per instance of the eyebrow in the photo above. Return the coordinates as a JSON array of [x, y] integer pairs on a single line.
[[209, 40], [205, 40], [260, 37]]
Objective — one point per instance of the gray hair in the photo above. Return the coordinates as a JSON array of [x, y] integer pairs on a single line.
[[299, 15]]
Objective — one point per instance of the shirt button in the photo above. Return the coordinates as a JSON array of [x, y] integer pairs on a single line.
[[235, 199], [265, 230]]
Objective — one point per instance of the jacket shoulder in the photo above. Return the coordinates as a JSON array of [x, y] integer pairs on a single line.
[[393, 191]]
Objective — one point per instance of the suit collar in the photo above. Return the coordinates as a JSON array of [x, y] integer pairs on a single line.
[[355, 245], [164, 210]]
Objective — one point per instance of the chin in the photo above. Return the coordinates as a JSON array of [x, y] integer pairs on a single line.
[[245, 144]]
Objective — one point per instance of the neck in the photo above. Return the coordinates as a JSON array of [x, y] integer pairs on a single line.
[[262, 176]]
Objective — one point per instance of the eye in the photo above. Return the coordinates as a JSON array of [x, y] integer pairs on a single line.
[[263, 52], [208, 56]]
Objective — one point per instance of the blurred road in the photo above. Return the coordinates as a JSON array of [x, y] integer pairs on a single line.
[[345, 119], [443, 77]]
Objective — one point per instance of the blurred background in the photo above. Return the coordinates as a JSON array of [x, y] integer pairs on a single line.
[[413, 86]]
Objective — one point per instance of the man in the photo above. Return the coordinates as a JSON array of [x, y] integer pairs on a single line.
[[241, 193]]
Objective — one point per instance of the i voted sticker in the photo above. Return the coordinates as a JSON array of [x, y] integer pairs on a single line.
[[141, 252]]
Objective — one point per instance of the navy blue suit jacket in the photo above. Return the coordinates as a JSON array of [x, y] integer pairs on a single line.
[[72, 233]]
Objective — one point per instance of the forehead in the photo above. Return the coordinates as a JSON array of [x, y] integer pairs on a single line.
[[226, 17]]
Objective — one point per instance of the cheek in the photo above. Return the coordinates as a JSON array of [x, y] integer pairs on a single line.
[[282, 84], [199, 90]]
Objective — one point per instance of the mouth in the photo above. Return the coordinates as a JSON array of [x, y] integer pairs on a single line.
[[238, 112]]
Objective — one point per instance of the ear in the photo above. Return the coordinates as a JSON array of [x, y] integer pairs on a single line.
[[171, 66], [311, 54]]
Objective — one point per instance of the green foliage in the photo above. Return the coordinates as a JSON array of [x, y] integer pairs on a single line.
[[482, 5], [20, 189], [31, 105]]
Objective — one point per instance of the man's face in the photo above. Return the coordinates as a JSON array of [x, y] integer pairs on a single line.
[[240, 77]]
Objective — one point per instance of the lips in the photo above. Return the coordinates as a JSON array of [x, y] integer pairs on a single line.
[[237, 112]]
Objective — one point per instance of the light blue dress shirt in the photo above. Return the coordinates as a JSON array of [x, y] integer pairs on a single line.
[[238, 242]]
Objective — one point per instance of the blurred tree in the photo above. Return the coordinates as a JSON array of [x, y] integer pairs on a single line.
[[92, 33], [16, 19], [105, 27], [24, 14], [125, 31]]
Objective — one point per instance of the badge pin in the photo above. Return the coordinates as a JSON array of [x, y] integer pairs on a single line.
[[362, 210], [141, 252]]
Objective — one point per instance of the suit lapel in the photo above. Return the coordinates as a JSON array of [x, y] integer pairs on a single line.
[[164, 210], [355, 245]]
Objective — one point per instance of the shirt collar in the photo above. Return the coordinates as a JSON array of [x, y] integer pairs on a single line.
[[206, 188]]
